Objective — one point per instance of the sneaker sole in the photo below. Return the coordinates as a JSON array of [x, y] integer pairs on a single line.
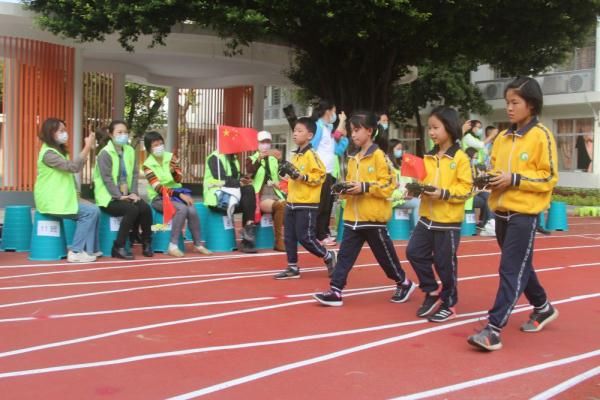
[[442, 320], [286, 277], [543, 324], [328, 303], [405, 299], [483, 346]]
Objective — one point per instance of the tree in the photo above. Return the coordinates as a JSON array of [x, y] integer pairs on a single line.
[[350, 51], [144, 108], [447, 84]]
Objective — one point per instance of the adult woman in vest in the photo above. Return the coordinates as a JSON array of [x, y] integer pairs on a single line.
[[222, 171], [162, 170], [327, 148], [116, 189], [263, 167], [55, 191]]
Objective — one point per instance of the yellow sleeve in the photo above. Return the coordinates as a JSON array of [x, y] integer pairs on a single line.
[[385, 182], [461, 190], [543, 175], [315, 170]]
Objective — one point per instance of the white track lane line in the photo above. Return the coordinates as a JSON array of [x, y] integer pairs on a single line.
[[498, 377], [184, 352], [566, 385], [161, 325], [326, 357], [87, 283], [202, 304], [184, 260]]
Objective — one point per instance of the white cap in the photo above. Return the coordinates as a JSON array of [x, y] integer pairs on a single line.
[[264, 135]]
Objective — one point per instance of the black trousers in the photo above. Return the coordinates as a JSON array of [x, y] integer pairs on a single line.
[[516, 236], [481, 201], [247, 204], [299, 226], [325, 207], [138, 213], [435, 248], [382, 247]]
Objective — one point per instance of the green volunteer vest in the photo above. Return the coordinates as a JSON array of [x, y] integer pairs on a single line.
[[212, 183], [162, 171], [336, 168], [101, 194], [54, 191], [259, 177], [480, 152]]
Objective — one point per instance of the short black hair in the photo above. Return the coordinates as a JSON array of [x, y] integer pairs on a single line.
[[489, 128], [308, 123], [449, 117], [150, 137], [364, 119], [529, 89], [321, 107]]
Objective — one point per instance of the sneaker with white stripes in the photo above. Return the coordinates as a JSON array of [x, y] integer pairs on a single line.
[[443, 313]]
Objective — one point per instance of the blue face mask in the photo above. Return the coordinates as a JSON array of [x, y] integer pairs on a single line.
[[385, 125], [122, 139], [398, 153], [333, 118]]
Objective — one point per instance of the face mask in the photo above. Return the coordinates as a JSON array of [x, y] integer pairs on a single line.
[[397, 153], [122, 139], [478, 132], [473, 161], [333, 118], [264, 146], [62, 137], [158, 150], [385, 125]]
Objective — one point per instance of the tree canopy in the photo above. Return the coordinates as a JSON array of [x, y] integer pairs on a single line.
[[350, 51]]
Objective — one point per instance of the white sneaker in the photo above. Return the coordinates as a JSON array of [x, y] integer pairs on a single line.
[[329, 241], [97, 254], [81, 257], [489, 229], [202, 250], [174, 251]]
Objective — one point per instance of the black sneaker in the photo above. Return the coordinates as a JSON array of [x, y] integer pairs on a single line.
[[403, 292], [428, 305], [537, 320], [289, 273], [331, 263], [488, 339], [443, 313], [329, 298]]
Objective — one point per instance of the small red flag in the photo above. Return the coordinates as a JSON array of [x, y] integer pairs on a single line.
[[413, 167], [168, 207], [231, 140]]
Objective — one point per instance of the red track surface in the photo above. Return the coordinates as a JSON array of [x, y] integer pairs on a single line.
[[64, 316]]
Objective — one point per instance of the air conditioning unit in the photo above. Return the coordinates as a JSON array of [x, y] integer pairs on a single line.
[[554, 84], [493, 91], [580, 82]]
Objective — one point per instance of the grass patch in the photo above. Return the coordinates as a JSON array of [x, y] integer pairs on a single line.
[[577, 196]]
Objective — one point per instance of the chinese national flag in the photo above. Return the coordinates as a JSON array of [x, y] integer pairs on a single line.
[[168, 207], [232, 140], [413, 167]]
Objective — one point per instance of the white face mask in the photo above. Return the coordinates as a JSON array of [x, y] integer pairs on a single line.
[[158, 150], [264, 146], [62, 137]]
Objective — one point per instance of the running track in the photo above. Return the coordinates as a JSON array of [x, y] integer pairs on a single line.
[[220, 327]]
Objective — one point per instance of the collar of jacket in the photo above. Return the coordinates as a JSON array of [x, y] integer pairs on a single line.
[[521, 132], [304, 150], [369, 151], [450, 153]]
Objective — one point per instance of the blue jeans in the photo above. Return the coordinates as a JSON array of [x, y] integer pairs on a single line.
[[86, 232]]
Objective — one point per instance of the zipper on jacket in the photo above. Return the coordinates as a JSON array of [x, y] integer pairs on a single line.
[[512, 148]]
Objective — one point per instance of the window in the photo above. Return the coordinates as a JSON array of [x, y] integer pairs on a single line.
[[575, 144], [275, 96]]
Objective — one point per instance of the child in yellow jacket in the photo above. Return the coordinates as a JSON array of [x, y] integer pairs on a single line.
[[524, 162], [370, 183], [307, 174], [436, 237]]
